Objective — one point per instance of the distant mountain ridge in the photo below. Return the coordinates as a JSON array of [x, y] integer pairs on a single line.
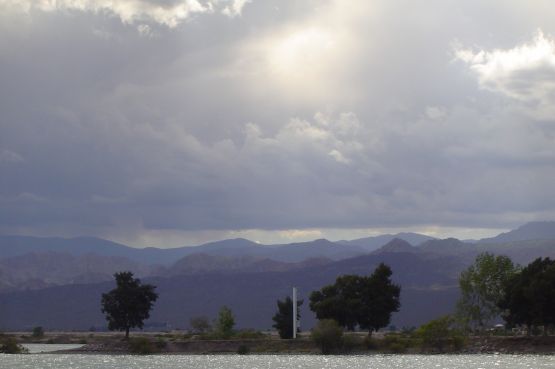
[[28, 262], [294, 252], [375, 242], [527, 232], [247, 276]]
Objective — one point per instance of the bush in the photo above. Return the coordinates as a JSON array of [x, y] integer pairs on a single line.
[[142, 346], [396, 344], [10, 346], [243, 350], [161, 343], [440, 334], [38, 332], [351, 343], [327, 335], [249, 334], [370, 343]]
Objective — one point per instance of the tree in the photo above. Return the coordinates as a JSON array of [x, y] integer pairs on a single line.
[[327, 335], [482, 288], [366, 301], [38, 332], [283, 320], [200, 324], [129, 304], [529, 296], [225, 322], [380, 298]]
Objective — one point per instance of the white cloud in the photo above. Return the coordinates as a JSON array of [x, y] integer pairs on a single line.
[[235, 7], [525, 73], [169, 13]]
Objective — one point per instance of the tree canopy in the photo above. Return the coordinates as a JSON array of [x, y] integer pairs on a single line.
[[529, 297], [283, 320], [364, 301], [128, 305], [225, 322], [482, 287]]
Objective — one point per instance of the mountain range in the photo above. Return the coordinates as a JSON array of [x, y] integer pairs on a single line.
[[57, 282]]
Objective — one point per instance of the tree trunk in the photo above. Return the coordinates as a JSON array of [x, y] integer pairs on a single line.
[[126, 333]]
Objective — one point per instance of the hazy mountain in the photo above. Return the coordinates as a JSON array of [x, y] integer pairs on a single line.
[[448, 246], [205, 263], [397, 245], [43, 269], [528, 231], [20, 245], [521, 252], [428, 276], [428, 290], [374, 243], [294, 252]]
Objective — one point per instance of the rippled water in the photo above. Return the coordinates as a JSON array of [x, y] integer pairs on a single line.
[[47, 361], [35, 348]]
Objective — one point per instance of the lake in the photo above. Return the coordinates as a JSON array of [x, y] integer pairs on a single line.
[[57, 361]]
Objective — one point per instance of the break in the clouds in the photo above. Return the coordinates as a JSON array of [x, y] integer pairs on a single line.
[[177, 122]]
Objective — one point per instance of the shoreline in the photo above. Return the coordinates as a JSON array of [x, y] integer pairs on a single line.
[[175, 344]]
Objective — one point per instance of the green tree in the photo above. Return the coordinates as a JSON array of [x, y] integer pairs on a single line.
[[529, 297], [366, 301], [225, 322], [380, 298], [327, 335], [129, 304], [283, 320], [482, 288]]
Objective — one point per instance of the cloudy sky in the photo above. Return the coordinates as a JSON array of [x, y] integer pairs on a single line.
[[173, 122]]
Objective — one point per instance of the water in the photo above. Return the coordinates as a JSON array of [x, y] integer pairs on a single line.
[[56, 361], [35, 348]]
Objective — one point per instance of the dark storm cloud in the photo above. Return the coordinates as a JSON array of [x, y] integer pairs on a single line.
[[279, 115]]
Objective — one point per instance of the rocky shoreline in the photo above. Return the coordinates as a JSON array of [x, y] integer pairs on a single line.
[[113, 344]]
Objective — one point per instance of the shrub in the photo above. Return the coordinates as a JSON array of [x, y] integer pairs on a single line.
[[370, 343], [327, 335], [161, 343], [10, 346], [247, 334], [142, 346], [243, 350], [396, 343], [351, 343], [439, 334]]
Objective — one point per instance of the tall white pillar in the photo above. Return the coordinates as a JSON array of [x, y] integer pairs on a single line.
[[294, 312]]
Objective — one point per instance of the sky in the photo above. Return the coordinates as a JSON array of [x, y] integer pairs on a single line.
[[176, 122]]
